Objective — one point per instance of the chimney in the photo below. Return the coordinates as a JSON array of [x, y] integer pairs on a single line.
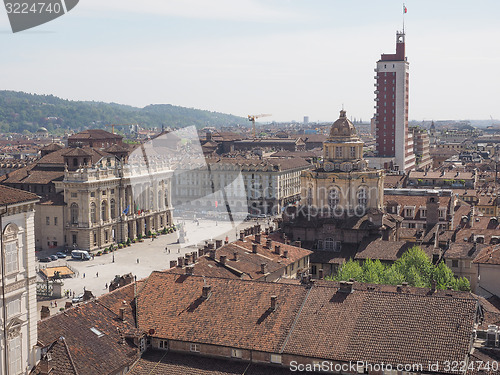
[[212, 254], [274, 299], [194, 256], [297, 244], [263, 268], [122, 313], [277, 249], [218, 243], [320, 274], [87, 295], [399, 288], [266, 231], [189, 270], [492, 335], [201, 251], [173, 263], [254, 248], [235, 256], [404, 283], [206, 292], [186, 260], [223, 259], [346, 287], [44, 312], [257, 238], [269, 243], [180, 261], [242, 235], [45, 365], [68, 305], [285, 254], [211, 246]]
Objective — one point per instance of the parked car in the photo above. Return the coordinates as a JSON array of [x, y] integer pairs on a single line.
[[60, 255], [46, 259], [261, 216], [54, 257], [78, 298]]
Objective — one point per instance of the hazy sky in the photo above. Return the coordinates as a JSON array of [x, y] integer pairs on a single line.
[[290, 58]]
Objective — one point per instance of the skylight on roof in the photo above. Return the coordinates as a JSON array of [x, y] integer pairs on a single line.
[[97, 332]]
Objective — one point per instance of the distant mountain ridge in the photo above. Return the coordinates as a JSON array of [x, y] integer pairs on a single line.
[[21, 111]]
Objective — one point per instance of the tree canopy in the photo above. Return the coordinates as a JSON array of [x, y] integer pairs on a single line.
[[20, 112], [414, 267]]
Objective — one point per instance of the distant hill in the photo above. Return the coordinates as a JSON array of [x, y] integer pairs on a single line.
[[20, 112]]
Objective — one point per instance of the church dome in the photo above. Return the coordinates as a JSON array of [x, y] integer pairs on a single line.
[[342, 127]]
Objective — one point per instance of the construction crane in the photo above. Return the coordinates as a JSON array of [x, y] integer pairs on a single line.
[[252, 118], [113, 126]]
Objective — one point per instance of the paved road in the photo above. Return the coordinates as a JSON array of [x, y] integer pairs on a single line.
[[140, 258]]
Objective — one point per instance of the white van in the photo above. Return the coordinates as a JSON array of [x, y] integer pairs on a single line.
[[80, 254]]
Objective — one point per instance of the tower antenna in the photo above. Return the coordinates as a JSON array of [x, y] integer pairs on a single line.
[[404, 12]]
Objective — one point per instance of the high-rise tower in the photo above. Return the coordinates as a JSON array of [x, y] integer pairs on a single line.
[[393, 139]]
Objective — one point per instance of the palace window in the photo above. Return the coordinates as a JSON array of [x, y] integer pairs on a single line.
[[309, 197], [14, 307], [353, 152], [333, 198], [93, 213], [104, 211], [11, 256], [15, 360], [112, 208], [338, 152], [362, 197]]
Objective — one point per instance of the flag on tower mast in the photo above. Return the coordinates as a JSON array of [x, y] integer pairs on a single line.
[[404, 9]]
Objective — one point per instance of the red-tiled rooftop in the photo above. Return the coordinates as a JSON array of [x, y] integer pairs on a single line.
[[373, 323], [10, 195], [93, 352], [237, 313]]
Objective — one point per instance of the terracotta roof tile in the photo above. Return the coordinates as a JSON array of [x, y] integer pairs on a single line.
[[378, 326], [382, 250], [10, 195], [237, 313], [92, 353]]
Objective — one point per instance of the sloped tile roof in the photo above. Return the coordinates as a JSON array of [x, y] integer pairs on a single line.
[[382, 250], [237, 314], [10, 195], [92, 353], [378, 326], [374, 324]]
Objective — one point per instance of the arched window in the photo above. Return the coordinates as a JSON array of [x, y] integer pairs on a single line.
[[104, 211], [10, 248], [309, 197], [362, 197], [160, 201], [93, 213], [333, 198], [166, 198], [74, 213], [75, 162], [112, 208]]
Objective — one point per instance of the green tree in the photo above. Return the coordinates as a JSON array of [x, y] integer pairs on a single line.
[[414, 267], [349, 270]]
